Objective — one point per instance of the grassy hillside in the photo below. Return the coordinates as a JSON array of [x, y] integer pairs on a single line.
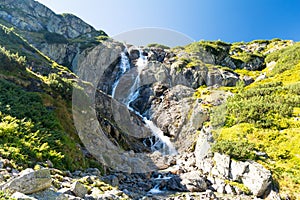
[[265, 117], [36, 123]]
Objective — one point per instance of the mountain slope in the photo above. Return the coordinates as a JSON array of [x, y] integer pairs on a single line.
[[35, 107]]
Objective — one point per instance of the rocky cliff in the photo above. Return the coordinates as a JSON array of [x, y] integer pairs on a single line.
[[58, 36], [35, 17]]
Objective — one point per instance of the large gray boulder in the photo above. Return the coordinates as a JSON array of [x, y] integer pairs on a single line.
[[194, 182], [258, 179], [30, 181]]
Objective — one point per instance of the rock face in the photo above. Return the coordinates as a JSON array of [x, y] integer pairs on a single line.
[[179, 116], [50, 33], [30, 15], [30, 181], [61, 53]]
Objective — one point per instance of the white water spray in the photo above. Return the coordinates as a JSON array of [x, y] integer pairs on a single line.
[[124, 67], [134, 93], [162, 143]]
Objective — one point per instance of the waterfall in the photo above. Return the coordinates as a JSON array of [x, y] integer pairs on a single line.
[[124, 67], [134, 92], [161, 142]]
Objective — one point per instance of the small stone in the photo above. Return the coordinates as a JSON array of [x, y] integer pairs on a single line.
[[21, 196], [79, 189], [112, 180], [229, 189], [65, 191], [93, 171]]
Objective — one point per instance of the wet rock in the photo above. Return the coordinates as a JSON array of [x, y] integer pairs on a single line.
[[174, 184], [30, 181], [134, 53]]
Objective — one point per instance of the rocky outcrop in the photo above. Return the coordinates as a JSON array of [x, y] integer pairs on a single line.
[[179, 116], [61, 53], [30, 15], [52, 34], [201, 75], [221, 169], [30, 181]]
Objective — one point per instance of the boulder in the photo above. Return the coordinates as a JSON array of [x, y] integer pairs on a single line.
[[111, 179], [222, 165], [134, 53], [193, 182], [30, 181], [79, 189], [49, 194], [174, 184], [258, 179], [237, 170]]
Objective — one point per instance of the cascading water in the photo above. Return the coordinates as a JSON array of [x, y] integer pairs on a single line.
[[157, 142], [161, 142], [124, 67], [134, 92]]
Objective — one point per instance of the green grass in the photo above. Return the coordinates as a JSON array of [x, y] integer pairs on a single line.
[[215, 47], [6, 195], [36, 126], [262, 117], [285, 59], [155, 45], [31, 132]]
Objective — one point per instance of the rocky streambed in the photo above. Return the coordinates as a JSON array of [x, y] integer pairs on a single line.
[[182, 177]]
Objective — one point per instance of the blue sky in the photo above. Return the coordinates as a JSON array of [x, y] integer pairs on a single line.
[[227, 20]]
